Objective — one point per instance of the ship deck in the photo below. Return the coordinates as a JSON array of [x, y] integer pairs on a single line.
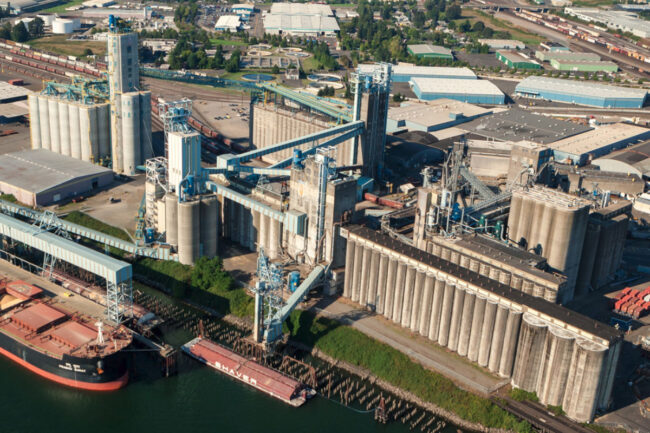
[[46, 325]]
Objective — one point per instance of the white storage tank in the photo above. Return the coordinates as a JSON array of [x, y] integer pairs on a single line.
[[64, 127], [53, 106], [44, 116], [34, 122], [130, 132], [62, 26], [48, 19], [104, 130], [75, 133]]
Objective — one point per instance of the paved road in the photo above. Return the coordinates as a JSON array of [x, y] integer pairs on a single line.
[[461, 371]]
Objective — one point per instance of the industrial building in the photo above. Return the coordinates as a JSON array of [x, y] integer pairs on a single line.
[[554, 47], [584, 65], [473, 92], [130, 107], [405, 72], [11, 93], [229, 23], [21, 6], [243, 10], [581, 149], [123, 13], [432, 116], [300, 19], [503, 44], [547, 56], [517, 125], [80, 129], [632, 160], [582, 93], [429, 51], [40, 177], [566, 358], [618, 20], [513, 59]]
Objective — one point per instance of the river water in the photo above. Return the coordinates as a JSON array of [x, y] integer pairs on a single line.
[[197, 399]]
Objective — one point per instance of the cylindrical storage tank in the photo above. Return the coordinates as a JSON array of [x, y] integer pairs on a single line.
[[189, 231], [530, 353], [580, 399], [171, 219], [487, 328], [62, 26], [389, 293], [504, 278], [513, 217], [382, 277], [34, 122], [349, 268], [48, 19], [44, 116], [356, 280], [466, 323], [516, 282], [446, 313], [510, 343], [84, 132], [371, 297], [476, 329], [75, 136], [427, 302], [559, 351], [209, 225], [498, 336], [456, 315], [365, 271], [474, 265], [398, 294], [53, 105], [65, 127], [436, 308], [130, 132], [407, 301], [464, 261], [146, 149], [103, 130]]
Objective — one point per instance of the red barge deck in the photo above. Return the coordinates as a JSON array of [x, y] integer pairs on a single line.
[[250, 372]]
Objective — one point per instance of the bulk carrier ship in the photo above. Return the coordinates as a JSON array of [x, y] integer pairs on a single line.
[[265, 379], [61, 345]]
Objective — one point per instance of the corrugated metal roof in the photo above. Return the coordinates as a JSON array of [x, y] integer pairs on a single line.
[[580, 88], [600, 137], [9, 91], [114, 271], [436, 112], [430, 71], [456, 86], [305, 23], [429, 49], [301, 9], [39, 170]]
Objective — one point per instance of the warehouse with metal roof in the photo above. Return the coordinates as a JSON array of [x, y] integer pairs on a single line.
[[428, 51], [432, 116], [517, 125], [580, 92], [634, 159], [513, 59], [584, 65], [503, 44], [39, 177], [547, 56], [472, 91], [582, 148], [404, 72], [302, 19]]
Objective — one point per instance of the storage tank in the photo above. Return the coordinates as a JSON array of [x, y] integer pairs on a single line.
[[529, 361], [75, 130], [558, 354], [103, 130], [209, 225], [34, 122], [48, 19], [53, 106], [189, 231], [64, 127], [171, 219], [130, 132], [44, 121], [62, 26], [583, 382], [145, 126]]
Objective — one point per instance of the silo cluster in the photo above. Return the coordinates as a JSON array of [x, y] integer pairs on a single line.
[[567, 359], [70, 128]]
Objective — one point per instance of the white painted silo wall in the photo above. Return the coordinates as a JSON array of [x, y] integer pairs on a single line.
[[53, 106], [130, 132], [34, 122], [145, 127], [75, 130], [44, 116], [64, 127], [103, 130]]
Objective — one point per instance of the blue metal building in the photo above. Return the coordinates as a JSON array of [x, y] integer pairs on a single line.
[[581, 93], [471, 91]]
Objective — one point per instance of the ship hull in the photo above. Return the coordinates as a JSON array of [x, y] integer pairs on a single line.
[[94, 374]]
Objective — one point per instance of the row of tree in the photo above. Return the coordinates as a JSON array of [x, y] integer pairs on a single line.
[[20, 33]]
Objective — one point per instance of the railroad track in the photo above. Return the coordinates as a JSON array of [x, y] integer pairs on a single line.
[[539, 417]]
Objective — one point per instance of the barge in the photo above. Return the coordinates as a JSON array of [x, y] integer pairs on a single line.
[[251, 373], [59, 344]]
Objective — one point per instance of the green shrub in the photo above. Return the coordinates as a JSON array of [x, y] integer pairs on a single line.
[[8, 197], [349, 345], [86, 220], [555, 410], [519, 394]]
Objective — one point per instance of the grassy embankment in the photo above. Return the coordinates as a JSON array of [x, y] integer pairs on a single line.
[[60, 45], [209, 285], [61, 8]]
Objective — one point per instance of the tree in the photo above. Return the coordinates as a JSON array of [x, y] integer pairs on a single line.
[[275, 70], [232, 65], [465, 26], [418, 19], [209, 274], [453, 12], [478, 26], [19, 33], [35, 27], [5, 31], [89, 52]]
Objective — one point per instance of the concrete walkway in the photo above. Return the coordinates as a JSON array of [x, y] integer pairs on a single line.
[[462, 372]]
